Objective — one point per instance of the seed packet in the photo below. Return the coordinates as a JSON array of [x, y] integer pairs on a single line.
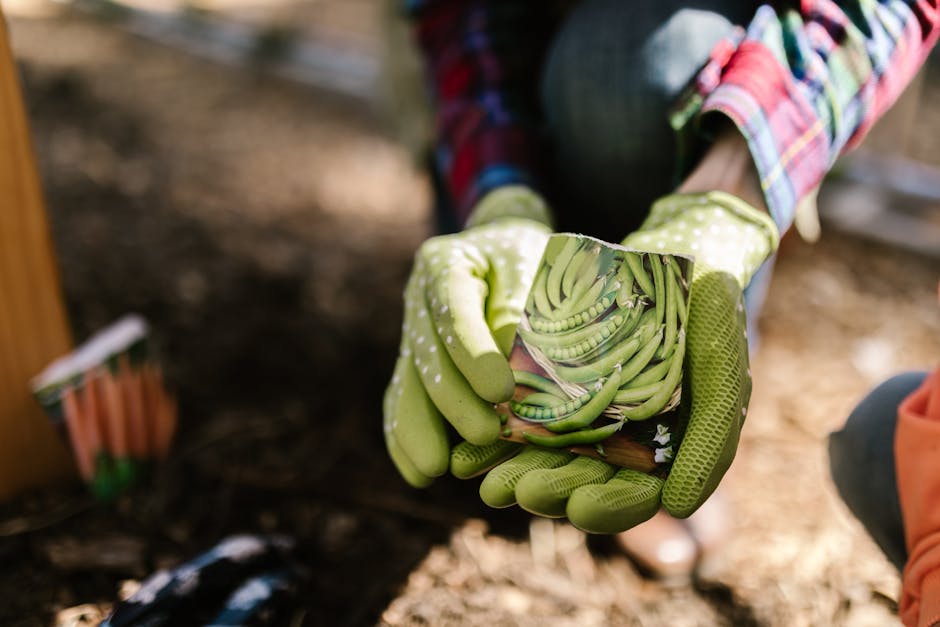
[[598, 355], [109, 399]]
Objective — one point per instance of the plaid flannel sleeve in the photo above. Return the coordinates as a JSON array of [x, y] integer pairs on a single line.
[[805, 85], [483, 59]]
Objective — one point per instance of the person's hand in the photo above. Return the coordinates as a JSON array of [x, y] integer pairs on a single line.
[[555, 483], [463, 302], [729, 240]]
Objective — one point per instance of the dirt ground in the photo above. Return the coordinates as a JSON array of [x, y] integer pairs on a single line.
[[266, 231]]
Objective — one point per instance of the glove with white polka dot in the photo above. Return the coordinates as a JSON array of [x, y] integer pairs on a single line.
[[463, 302], [729, 240]]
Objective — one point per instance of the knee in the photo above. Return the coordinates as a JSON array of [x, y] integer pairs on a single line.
[[872, 423], [861, 454], [614, 70], [861, 461]]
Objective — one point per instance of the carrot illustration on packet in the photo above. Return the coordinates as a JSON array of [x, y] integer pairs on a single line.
[[110, 399]]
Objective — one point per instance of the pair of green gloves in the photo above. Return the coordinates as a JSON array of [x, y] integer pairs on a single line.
[[463, 301]]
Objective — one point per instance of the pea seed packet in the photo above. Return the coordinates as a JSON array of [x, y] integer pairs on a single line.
[[109, 400], [598, 355]]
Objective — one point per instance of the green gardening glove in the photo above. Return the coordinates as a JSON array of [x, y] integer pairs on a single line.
[[463, 302], [729, 240]]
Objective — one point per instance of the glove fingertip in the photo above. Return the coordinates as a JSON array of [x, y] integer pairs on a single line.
[[494, 493], [536, 495], [480, 432], [434, 464], [684, 492], [505, 334], [468, 460], [417, 480], [622, 503], [698, 468], [498, 488], [403, 463], [491, 378], [681, 504], [406, 468], [679, 510], [427, 452]]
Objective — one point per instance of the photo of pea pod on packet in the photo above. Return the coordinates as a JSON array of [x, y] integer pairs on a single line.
[[598, 354]]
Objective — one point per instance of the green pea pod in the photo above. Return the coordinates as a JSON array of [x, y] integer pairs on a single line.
[[539, 297], [588, 311], [575, 313], [636, 394], [592, 352], [533, 412], [537, 382], [652, 374], [626, 285], [635, 261], [602, 337], [643, 357], [659, 285], [544, 399], [587, 275], [618, 355], [672, 317], [589, 412], [572, 271], [563, 340], [648, 326], [552, 248], [574, 438], [595, 369], [656, 402], [575, 306], [553, 284], [682, 307]]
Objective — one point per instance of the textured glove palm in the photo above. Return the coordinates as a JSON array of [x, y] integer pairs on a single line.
[[463, 302], [729, 240]]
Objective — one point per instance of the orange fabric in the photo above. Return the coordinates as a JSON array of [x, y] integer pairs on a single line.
[[917, 457]]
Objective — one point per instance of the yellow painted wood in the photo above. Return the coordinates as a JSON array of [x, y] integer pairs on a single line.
[[33, 323]]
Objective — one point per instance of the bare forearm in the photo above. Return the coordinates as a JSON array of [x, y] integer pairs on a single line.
[[728, 167]]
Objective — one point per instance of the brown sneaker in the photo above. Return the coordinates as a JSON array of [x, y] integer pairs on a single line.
[[709, 526], [663, 547], [671, 550]]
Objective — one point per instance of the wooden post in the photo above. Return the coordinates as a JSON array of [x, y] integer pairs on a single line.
[[33, 323]]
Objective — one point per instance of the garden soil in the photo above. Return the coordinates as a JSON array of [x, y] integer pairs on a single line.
[[266, 231]]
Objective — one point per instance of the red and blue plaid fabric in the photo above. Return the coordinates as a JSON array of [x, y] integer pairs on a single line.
[[803, 86], [483, 58], [803, 83]]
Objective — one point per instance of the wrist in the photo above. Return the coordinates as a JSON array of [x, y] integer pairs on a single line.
[[720, 230], [727, 166], [510, 201]]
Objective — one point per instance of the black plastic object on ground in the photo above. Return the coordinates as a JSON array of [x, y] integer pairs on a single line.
[[243, 580]]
